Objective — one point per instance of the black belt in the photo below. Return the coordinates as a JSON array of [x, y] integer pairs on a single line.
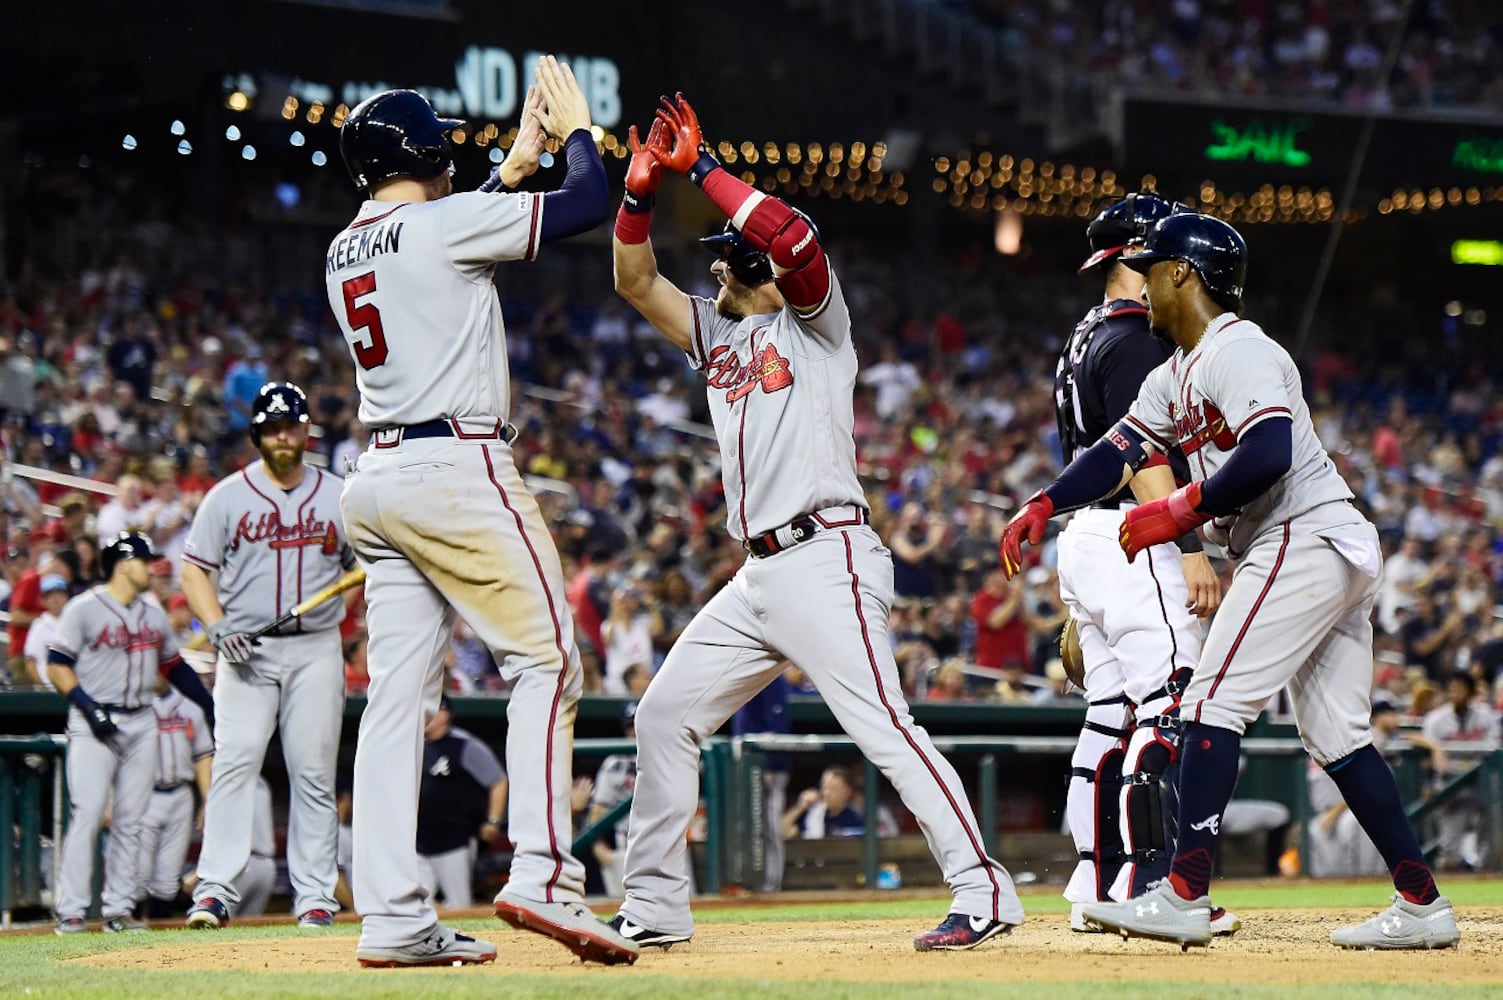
[[801, 529], [1114, 504], [122, 710], [390, 437], [170, 788]]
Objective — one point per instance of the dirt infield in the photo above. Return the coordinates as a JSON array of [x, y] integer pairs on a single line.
[[1274, 946]]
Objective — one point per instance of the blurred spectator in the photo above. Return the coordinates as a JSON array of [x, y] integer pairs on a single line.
[[54, 594], [915, 541], [1001, 630], [834, 809], [1463, 718], [126, 510], [627, 633]]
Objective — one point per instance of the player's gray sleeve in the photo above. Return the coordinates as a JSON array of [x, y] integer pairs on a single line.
[[1249, 381], [477, 759], [207, 534], [167, 649], [68, 638], [1149, 413], [828, 325], [480, 229], [707, 331]]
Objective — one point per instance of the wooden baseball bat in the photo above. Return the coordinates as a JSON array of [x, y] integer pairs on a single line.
[[353, 578]]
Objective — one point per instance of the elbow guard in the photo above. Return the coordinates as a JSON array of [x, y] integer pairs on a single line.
[[792, 244]]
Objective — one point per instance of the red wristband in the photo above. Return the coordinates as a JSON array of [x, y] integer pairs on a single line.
[[632, 227]]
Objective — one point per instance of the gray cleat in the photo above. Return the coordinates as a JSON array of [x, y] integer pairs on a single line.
[[1159, 914], [1404, 925], [444, 946]]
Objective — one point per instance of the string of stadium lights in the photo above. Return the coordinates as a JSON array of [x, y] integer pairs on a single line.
[[980, 180]]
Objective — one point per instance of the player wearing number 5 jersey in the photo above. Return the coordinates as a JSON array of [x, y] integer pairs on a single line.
[[1298, 610], [438, 513], [262, 540], [775, 348]]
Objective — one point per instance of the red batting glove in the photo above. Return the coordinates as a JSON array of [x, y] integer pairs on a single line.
[[645, 173], [682, 126], [1029, 522], [1161, 520]]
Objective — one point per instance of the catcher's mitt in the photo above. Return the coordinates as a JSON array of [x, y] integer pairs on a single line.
[[1069, 653]]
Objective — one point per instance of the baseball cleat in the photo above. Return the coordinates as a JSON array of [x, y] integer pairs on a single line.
[[208, 914], [645, 938], [1078, 922], [1159, 914], [70, 925], [125, 925], [960, 932], [316, 918], [571, 925], [1224, 923], [1404, 925], [444, 946]]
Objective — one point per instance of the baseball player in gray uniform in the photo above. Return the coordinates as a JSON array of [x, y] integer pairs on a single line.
[[273, 534], [1298, 609], [438, 513], [110, 647], [775, 347], [185, 752]]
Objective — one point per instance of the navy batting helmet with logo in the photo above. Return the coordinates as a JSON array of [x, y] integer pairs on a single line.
[[1216, 251], [748, 265], [396, 133], [277, 401], [126, 545], [1126, 223]]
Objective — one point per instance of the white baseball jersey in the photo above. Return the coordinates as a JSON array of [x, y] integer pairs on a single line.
[[780, 389], [183, 738], [118, 651], [425, 327], [272, 547], [1204, 401]]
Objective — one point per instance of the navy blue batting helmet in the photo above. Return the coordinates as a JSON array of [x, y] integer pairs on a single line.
[[126, 545], [1126, 223], [1216, 251], [396, 133], [748, 265], [277, 401]]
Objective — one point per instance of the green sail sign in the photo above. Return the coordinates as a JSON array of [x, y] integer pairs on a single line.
[[1259, 142], [1482, 153]]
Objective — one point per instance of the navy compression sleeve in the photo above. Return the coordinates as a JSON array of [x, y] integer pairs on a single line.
[[582, 202], [1097, 471], [1262, 456]]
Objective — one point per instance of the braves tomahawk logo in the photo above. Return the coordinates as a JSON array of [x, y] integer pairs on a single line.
[[269, 528], [767, 368]]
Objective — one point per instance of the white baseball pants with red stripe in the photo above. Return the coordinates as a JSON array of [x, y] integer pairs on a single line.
[[1298, 612], [822, 604], [444, 526]]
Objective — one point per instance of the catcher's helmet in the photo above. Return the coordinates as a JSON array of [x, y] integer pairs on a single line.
[[1216, 251], [126, 545], [748, 265], [1126, 223], [395, 133], [277, 401]]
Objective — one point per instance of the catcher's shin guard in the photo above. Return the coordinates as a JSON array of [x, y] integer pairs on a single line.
[[1149, 805], [1093, 801]]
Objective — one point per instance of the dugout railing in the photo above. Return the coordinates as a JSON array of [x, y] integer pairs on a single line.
[[31, 773]]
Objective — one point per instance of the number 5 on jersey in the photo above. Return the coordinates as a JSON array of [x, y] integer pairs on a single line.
[[365, 317]]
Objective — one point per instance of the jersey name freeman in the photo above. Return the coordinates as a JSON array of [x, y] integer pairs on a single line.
[[269, 528], [357, 246]]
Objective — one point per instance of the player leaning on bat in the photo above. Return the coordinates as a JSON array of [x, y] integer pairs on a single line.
[[1298, 609], [775, 348], [273, 535]]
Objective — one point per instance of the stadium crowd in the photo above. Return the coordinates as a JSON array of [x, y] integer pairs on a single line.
[[141, 381], [1321, 50]]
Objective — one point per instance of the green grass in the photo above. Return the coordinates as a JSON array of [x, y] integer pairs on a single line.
[[31, 965]]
